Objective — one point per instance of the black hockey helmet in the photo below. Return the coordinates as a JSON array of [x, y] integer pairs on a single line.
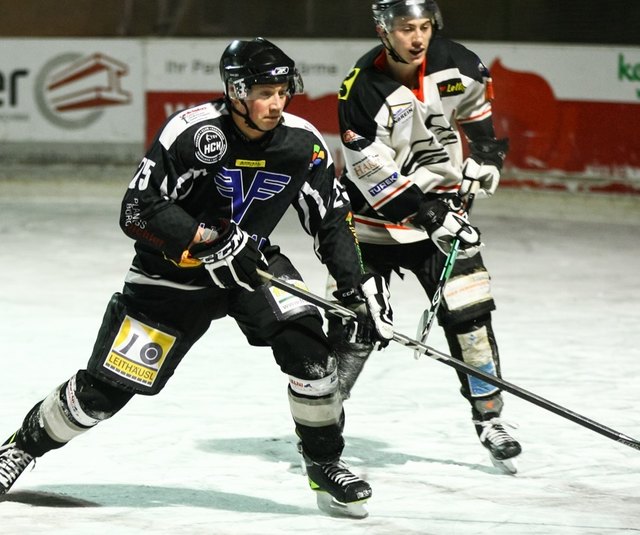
[[246, 63], [385, 11]]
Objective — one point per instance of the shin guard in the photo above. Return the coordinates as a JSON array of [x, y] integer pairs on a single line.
[[316, 408], [67, 412]]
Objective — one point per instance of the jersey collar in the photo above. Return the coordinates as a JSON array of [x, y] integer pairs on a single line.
[[381, 63]]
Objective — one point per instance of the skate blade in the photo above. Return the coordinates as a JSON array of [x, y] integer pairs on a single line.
[[303, 464], [328, 504], [303, 467], [507, 466]]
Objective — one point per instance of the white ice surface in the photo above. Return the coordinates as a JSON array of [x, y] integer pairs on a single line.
[[215, 452]]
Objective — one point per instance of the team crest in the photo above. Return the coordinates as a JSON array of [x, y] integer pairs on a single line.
[[210, 144]]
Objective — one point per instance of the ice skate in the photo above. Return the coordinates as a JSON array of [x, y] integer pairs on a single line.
[[338, 491], [503, 448], [13, 461]]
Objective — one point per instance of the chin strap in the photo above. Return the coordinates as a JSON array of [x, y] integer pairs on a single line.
[[394, 55], [245, 116]]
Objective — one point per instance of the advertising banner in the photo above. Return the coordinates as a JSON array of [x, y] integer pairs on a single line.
[[571, 112], [71, 90]]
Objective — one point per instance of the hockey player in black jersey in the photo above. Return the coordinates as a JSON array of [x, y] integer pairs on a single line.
[[201, 206], [402, 110]]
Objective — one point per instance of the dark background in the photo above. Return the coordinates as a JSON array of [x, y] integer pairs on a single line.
[[547, 21]]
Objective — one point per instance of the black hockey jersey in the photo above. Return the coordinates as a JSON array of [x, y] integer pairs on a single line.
[[400, 143], [200, 168]]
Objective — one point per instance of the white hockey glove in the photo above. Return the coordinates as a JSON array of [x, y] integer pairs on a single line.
[[370, 302], [444, 221], [483, 165], [232, 258]]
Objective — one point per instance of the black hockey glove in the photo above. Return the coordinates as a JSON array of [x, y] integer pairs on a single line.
[[444, 220], [370, 302], [232, 258], [484, 165]]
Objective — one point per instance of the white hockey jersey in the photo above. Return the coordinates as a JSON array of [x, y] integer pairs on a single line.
[[400, 144]]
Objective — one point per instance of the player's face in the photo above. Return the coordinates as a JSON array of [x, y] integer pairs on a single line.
[[410, 38], [265, 104]]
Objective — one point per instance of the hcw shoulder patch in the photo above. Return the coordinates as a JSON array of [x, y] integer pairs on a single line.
[[210, 144]]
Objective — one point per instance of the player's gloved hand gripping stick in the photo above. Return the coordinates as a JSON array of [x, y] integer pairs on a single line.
[[370, 302], [428, 316], [343, 312], [231, 257]]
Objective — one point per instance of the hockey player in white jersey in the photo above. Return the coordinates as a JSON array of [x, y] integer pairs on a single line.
[[403, 110]]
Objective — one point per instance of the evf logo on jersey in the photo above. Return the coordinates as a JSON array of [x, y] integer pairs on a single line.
[[263, 187], [210, 144]]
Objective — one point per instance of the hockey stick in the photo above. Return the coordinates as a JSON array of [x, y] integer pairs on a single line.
[[429, 315], [343, 312]]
